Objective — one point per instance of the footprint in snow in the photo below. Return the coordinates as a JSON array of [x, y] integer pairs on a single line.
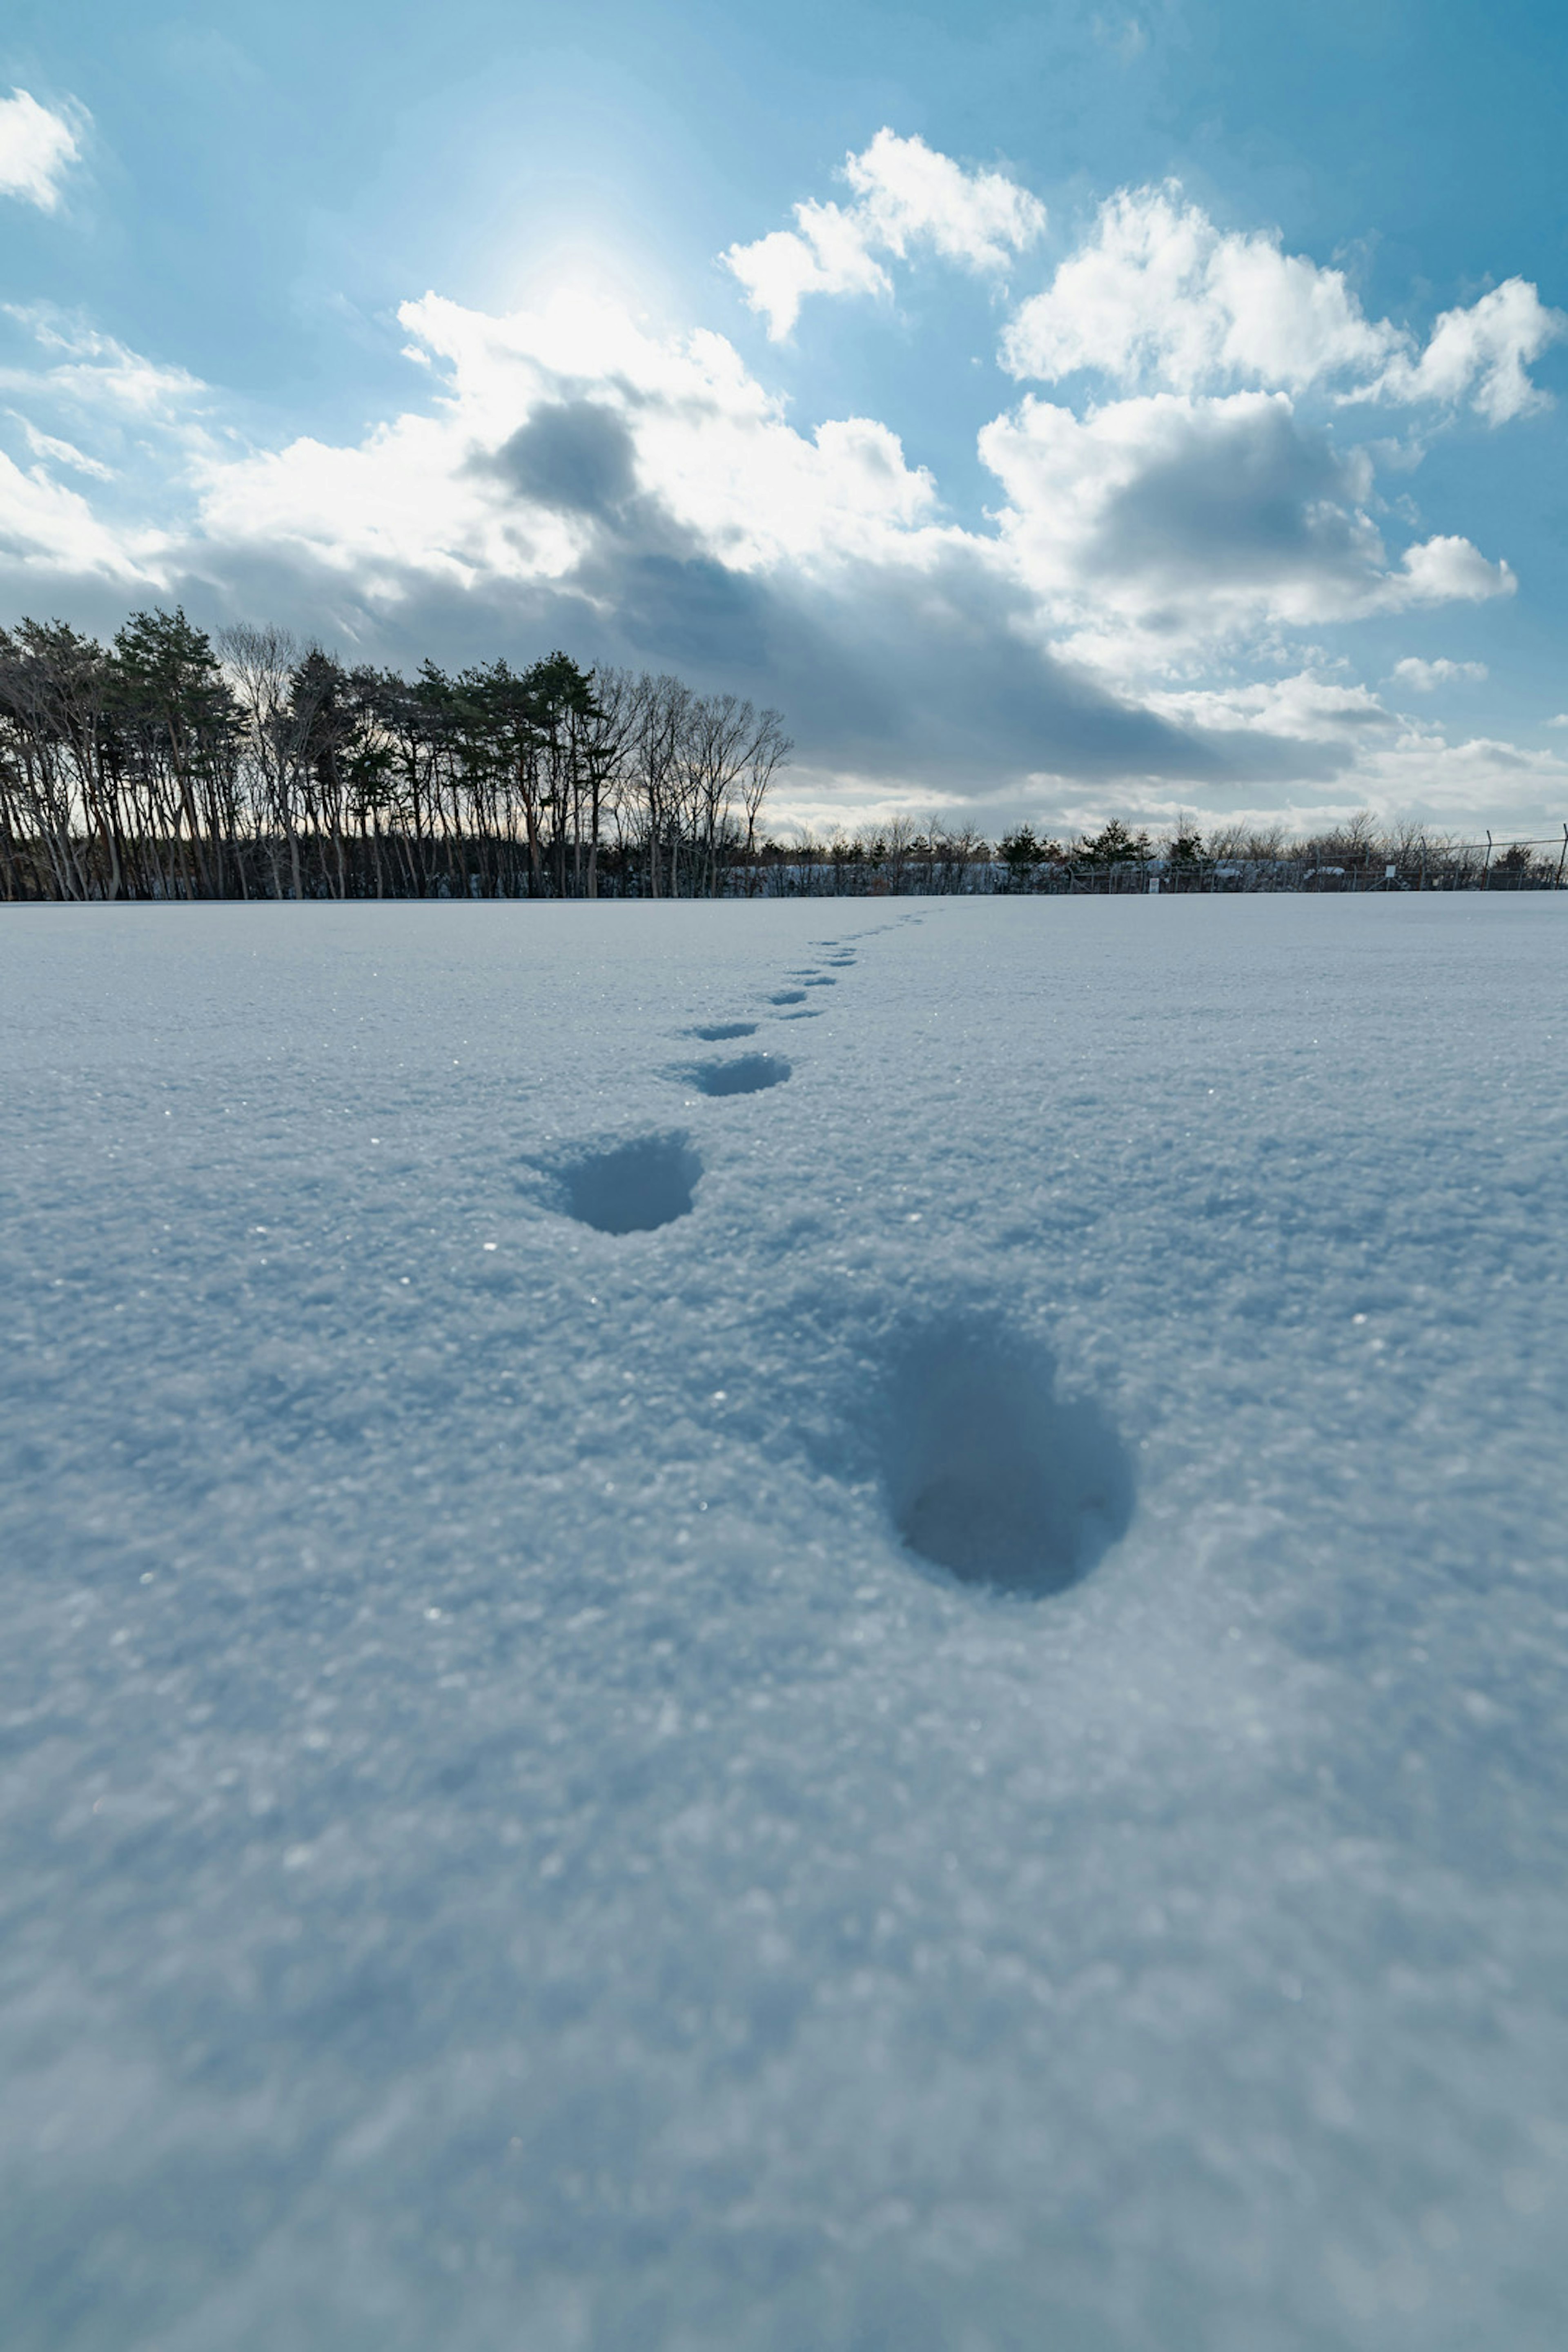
[[632, 1188], [992, 1476], [749, 1074], [714, 1032], [788, 996]]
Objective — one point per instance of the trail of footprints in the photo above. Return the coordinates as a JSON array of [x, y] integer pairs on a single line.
[[635, 1188], [989, 1476]]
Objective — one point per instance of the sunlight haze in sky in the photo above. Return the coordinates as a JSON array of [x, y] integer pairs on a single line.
[[1055, 412]]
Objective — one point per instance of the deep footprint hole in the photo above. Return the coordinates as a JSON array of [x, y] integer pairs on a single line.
[[633, 1188], [748, 1074], [714, 1032], [992, 1476]]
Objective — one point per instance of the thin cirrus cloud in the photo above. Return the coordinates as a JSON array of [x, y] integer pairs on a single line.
[[37, 148], [55, 451], [1426, 676], [1176, 511], [94, 374]]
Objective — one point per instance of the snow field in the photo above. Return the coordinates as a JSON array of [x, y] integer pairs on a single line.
[[889, 1682]]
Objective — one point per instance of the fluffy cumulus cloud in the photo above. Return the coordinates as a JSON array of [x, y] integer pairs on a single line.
[[907, 197], [1157, 296], [1157, 530], [646, 496], [37, 147], [1136, 621], [1480, 355], [560, 435]]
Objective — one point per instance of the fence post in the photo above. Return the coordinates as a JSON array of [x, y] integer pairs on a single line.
[[1487, 867], [1558, 884]]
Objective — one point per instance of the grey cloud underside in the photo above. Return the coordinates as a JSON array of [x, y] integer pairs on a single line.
[[921, 682], [924, 678], [1243, 501], [891, 681], [576, 457]]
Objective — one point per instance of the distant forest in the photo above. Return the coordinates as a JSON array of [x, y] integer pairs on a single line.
[[170, 766]]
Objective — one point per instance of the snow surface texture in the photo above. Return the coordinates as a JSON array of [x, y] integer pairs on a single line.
[[921, 1709]]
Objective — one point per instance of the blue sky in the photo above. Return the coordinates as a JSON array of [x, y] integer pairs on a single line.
[[1055, 411]]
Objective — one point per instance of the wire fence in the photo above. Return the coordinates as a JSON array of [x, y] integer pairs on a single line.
[[381, 863], [1413, 862]]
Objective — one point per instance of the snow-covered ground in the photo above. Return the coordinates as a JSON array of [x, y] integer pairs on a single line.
[[509, 1845]]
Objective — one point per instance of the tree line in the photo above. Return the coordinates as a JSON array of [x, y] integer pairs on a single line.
[[1361, 853], [169, 764]]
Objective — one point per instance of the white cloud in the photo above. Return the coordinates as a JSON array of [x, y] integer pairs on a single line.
[[1306, 708], [1426, 676], [1480, 354], [1443, 571], [49, 529], [557, 427], [1130, 619], [50, 446], [1157, 531], [1399, 774], [130, 424], [1138, 540], [1157, 297], [1157, 294], [94, 374], [906, 195], [36, 149], [646, 490], [1468, 785]]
